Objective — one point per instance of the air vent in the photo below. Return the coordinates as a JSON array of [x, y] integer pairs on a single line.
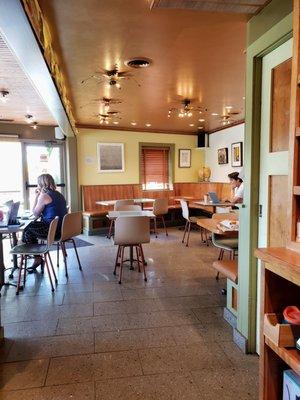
[[6, 120], [139, 62]]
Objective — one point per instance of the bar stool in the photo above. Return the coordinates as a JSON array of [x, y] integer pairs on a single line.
[[131, 232]]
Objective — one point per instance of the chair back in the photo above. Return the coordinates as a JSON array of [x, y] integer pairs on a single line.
[[160, 207], [132, 230], [120, 203], [71, 225], [52, 232], [223, 216], [130, 207], [185, 210]]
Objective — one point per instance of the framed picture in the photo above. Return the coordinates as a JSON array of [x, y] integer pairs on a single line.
[[237, 154], [110, 157], [184, 158], [223, 156]]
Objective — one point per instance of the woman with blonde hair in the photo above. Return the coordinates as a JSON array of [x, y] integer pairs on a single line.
[[48, 204]]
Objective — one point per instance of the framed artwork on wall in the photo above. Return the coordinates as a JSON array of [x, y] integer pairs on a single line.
[[223, 156], [237, 154], [110, 157], [184, 158]]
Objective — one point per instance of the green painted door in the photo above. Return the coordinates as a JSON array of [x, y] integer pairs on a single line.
[[275, 97]]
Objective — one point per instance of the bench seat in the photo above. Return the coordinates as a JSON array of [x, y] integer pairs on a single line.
[[228, 268], [94, 213]]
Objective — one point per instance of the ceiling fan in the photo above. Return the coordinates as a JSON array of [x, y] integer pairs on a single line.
[[106, 117], [105, 101], [186, 110], [112, 77]]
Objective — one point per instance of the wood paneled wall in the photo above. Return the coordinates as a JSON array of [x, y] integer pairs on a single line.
[[93, 193]]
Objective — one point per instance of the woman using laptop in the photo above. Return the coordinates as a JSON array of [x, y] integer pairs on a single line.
[[237, 186], [48, 204]]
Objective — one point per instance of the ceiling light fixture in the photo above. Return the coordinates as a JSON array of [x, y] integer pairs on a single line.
[[34, 125], [228, 107], [138, 62], [200, 127], [116, 122], [191, 124], [148, 124], [133, 123], [3, 95], [214, 114], [29, 118], [201, 120]]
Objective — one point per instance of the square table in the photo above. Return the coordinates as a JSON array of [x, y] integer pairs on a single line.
[[214, 205]]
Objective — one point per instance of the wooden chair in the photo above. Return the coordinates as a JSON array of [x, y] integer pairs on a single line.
[[71, 227], [118, 204], [27, 250], [131, 232], [160, 209]]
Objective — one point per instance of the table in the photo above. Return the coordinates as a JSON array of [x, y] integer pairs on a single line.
[[13, 230], [212, 225], [140, 201], [142, 213], [214, 205]]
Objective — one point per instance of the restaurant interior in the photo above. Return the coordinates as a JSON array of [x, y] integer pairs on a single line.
[[149, 199]]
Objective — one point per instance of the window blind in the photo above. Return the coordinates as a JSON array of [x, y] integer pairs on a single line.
[[155, 167]]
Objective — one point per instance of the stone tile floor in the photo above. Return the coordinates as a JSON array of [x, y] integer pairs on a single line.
[[96, 339]]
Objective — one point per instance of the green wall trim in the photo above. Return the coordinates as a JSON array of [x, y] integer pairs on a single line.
[[273, 37]]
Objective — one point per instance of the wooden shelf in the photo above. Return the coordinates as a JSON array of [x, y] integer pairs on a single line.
[[291, 356], [281, 261], [296, 190]]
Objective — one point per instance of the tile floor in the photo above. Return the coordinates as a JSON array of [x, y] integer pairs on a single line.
[[96, 339]]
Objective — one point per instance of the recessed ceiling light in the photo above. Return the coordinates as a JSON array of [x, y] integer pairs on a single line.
[[148, 124], [133, 123], [138, 62], [116, 122], [200, 127], [192, 124], [29, 118], [201, 120], [3, 95], [228, 107], [214, 114], [244, 98]]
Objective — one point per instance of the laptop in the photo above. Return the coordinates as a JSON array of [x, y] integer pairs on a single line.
[[12, 216], [214, 198]]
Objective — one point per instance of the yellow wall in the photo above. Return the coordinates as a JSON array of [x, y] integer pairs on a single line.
[[87, 155]]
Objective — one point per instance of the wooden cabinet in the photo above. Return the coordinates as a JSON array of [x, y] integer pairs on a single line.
[[280, 287]]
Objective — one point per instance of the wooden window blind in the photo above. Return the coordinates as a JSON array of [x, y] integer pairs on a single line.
[[155, 167]]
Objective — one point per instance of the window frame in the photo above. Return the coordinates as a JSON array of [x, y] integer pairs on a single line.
[[171, 147]]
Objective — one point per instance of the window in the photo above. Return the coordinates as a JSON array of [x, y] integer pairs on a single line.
[[155, 170], [11, 183]]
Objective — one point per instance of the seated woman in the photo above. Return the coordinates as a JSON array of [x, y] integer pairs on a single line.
[[238, 187], [48, 204]]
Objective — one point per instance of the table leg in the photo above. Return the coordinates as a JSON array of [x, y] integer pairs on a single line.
[[2, 267]]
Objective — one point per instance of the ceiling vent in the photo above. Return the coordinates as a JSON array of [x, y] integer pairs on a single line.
[[138, 62], [240, 6]]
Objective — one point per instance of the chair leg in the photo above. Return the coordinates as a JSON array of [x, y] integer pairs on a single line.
[[64, 256], [20, 274], [164, 224], [121, 264], [25, 270], [155, 227], [49, 274], [51, 265], [57, 254], [110, 229], [76, 252], [217, 276], [117, 259], [206, 238], [143, 264], [142, 255], [188, 235], [185, 228], [138, 257]]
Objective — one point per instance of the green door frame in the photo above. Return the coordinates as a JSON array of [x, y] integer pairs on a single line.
[[245, 334]]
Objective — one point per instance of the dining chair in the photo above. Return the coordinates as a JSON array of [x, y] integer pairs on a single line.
[[27, 249], [131, 232], [118, 204], [160, 209], [70, 228], [228, 242], [189, 221]]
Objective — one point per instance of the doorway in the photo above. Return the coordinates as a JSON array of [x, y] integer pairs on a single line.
[[274, 143]]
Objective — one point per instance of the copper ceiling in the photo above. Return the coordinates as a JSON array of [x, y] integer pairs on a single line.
[[196, 55], [23, 99]]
